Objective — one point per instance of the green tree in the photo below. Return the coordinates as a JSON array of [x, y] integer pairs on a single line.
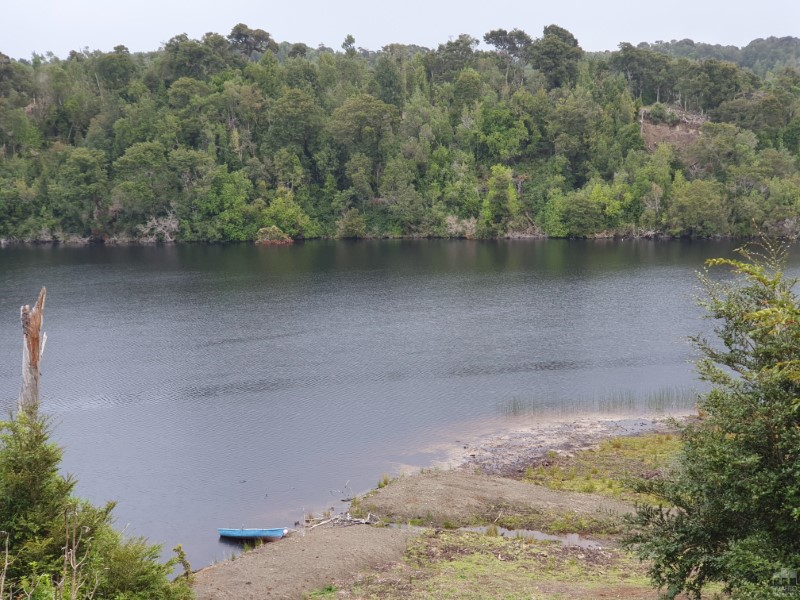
[[582, 211], [79, 192], [730, 510], [556, 54], [449, 59], [501, 204], [116, 68], [288, 216], [512, 46], [390, 80], [145, 186], [697, 208], [349, 45], [295, 118], [362, 124], [33, 496], [248, 41], [501, 133], [221, 212], [721, 146]]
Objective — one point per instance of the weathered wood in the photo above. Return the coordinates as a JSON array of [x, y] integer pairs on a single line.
[[33, 341], [344, 521]]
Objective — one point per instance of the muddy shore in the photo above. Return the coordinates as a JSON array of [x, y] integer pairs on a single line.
[[507, 454], [476, 477]]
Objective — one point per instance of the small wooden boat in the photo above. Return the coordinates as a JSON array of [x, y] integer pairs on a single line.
[[253, 534]]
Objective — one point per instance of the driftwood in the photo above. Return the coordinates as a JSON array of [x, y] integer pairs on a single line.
[[345, 521], [33, 341]]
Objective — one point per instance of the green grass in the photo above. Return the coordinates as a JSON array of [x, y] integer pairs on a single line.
[[561, 522], [615, 469], [329, 591], [448, 564]]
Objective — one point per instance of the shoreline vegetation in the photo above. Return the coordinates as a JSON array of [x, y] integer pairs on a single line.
[[241, 138], [503, 509]]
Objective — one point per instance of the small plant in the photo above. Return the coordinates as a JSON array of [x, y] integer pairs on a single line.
[[180, 557], [328, 590], [384, 481], [357, 508]]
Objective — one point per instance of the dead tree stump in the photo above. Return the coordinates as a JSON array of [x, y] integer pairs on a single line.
[[33, 341]]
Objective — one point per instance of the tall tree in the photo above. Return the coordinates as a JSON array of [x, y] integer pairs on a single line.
[[248, 41], [556, 54], [512, 45]]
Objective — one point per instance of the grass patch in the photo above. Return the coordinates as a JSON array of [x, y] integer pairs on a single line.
[[525, 517], [450, 564], [553, 522], [615, 469], [329, 591]]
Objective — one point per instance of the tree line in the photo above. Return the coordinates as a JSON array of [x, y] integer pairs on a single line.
[[241, 138]]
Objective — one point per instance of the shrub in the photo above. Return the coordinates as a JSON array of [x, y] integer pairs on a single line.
[[736, 491]]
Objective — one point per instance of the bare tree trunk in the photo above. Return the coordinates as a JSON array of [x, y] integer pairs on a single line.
[[5, 566], [32, 349]]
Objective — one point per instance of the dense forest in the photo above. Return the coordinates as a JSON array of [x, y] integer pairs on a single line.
[[241, 138]]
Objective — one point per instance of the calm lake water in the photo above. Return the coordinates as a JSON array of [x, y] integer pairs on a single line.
[[211, 386]]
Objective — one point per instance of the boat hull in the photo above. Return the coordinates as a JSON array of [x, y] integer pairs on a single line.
[[253, 534]]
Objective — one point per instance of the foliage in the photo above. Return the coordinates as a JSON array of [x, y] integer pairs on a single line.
[[734, 495], [501, 205], [285, 214], [556, 54], [58, 543], [697, 208], [194, 141], [351, 225]]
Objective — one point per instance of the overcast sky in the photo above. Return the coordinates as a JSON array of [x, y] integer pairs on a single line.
[[142, 25]]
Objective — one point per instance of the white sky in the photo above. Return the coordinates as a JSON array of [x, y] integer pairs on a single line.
[[142, 25]]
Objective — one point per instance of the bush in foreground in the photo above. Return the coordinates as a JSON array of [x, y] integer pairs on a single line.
[[732, 505]]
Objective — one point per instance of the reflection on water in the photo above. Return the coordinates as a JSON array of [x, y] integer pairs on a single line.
[[213, 386]]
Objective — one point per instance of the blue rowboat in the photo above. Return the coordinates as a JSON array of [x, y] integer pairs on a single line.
[[253, 534]]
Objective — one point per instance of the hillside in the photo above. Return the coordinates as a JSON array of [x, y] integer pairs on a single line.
[[241, 138]]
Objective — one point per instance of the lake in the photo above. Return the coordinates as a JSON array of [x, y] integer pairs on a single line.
[[211, 386]]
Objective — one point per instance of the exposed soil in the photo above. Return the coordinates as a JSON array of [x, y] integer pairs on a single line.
[[299, 564], [681, 135], [461, 498]]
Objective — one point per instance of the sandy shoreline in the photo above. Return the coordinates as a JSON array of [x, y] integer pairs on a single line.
[[476, 472]]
